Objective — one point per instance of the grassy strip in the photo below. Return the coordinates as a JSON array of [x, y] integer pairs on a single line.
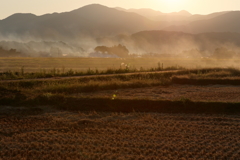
[[8, 75], [128, 105], [83, 84], [55, 92], [190, 73], [15, 92], [29, 89], [208, 81]]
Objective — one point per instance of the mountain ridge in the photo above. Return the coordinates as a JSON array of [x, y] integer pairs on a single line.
[[93, 20], [227, 22], [92, 25]]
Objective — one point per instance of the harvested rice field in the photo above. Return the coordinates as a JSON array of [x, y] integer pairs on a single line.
[[51, 134], [208, 93]]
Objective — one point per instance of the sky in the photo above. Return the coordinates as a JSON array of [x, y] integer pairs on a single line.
[[40, 7]]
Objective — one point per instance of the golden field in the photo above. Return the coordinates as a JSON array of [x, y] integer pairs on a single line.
[[82, 64], [153, 114]]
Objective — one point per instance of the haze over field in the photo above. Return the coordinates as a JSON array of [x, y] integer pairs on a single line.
[[119, 79], [144, 31]]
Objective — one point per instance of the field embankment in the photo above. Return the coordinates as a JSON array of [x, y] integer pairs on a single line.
[[140, 115], [145, 92]]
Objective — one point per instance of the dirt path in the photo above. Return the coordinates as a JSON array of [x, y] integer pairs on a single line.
[[84, 76], [215, 93]]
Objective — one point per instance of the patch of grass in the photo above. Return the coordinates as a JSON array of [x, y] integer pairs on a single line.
[[34, 88], [207, 76], [58, 91], [213, 73], [8, 75]]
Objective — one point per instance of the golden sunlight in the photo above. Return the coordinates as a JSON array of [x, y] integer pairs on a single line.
[[173, 1]]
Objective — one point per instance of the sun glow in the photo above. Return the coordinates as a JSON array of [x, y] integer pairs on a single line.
[[173, 2], [171, 5]]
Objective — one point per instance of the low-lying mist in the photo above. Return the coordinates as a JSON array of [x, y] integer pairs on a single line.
[[142, 44]]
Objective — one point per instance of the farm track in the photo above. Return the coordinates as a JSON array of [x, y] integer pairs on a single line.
[[85, 76]]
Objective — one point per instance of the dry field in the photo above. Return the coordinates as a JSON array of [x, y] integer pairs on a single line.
[[51, 134], [206, 93], [83, 64], [38, 131], [80, 64]]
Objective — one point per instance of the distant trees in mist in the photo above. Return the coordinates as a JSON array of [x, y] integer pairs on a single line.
[[223, 53], [9, 53], [118, 50]]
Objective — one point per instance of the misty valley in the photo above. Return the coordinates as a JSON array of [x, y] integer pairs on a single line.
[[79, 32], [101, 83]]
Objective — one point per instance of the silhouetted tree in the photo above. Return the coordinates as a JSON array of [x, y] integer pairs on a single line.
[[102, 49], [118, 50], [223, 53], [9, 53]]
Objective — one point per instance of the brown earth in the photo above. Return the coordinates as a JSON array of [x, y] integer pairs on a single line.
[[211, 93], [53, 134]]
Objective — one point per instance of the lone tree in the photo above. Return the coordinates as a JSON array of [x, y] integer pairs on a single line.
[[118, 50], [223, 53], [9, 53]]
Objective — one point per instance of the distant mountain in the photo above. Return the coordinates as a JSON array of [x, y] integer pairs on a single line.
[[174, 16], [92, 20], [177, 42], [79, 31], [98, 21], [120, 9], [181, 13], [159, 16], [228, 22], [146, 12], [197, 17], [164, 37]]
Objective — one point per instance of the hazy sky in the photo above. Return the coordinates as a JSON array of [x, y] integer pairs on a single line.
[[39, 7]]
